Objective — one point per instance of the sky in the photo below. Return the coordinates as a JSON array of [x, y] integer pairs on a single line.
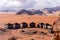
[[28, 4]]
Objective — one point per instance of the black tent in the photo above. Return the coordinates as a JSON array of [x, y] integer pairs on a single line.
[[32, 25], [24, 25], [10, 26], [17, 25], [42, 25], [47, 25], [38, 25]]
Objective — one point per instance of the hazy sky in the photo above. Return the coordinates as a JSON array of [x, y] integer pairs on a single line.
[[28, 4]]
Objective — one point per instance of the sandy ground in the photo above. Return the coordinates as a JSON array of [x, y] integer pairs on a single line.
[[4, 19], [24, 36]]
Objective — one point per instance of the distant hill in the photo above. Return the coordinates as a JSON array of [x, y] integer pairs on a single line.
[[30, 12], [53, 9], [7, 10]]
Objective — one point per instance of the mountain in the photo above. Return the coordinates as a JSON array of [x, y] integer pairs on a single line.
[[30, 12], [53, 9], [7, 10]]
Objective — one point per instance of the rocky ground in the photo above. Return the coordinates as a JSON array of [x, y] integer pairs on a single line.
[[25, 34]]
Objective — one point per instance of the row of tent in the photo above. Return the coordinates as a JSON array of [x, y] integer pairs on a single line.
[[29, 12], [31, 25], [26, 25]]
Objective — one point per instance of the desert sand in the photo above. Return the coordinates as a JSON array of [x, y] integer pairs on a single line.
[[24, 35]]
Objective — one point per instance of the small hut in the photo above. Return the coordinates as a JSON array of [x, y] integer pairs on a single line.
[[17, 26], [9, 26], [24, 25], [32, 25]]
